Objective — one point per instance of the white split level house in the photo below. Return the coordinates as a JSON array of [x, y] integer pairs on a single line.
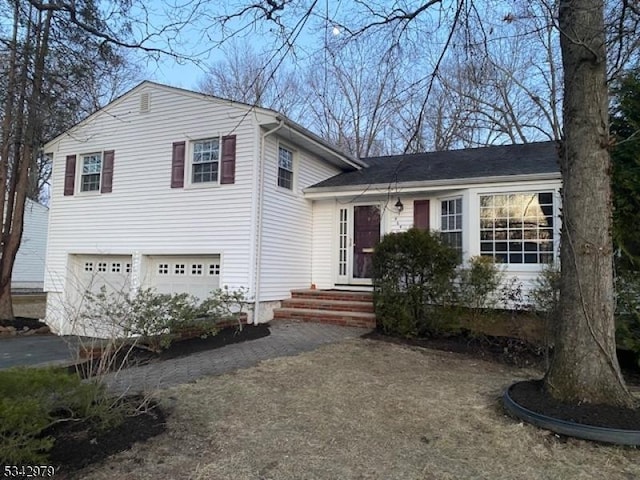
[[181, 191]]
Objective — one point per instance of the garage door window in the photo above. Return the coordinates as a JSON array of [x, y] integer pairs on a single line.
[[196, 269], [179, 269], [214, 269], [163, 269], [102, 266], [88, 266], [116, 267]]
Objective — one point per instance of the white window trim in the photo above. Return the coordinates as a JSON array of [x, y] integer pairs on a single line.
[[79, 174], [294, 165], [189, 163]]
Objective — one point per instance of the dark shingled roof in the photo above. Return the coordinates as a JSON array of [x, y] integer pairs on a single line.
[[494, 161]]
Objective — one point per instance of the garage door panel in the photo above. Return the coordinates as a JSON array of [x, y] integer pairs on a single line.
[[110, 271], [196, 275]]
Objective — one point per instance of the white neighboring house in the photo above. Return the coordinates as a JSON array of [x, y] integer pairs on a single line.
[[28, 270], [182, 191]]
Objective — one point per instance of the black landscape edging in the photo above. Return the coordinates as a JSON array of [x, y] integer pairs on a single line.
[[571, 429]]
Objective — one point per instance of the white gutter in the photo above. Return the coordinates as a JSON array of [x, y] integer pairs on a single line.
[[426, 185], [259, 204]]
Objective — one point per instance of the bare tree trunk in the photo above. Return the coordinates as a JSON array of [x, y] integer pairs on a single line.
[[584, 368]]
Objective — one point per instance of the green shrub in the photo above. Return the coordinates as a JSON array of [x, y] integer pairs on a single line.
[[154, 317], [412, 278], [224, 304], [146, 314], [478, 285], [545, 295], [32, 399]]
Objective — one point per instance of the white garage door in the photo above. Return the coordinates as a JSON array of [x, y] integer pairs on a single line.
[[111, 271], [197, 275]]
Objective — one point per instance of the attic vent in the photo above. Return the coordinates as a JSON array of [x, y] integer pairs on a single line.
[[144, 102]]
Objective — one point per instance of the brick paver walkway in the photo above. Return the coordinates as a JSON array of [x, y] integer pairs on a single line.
[[286, 339]]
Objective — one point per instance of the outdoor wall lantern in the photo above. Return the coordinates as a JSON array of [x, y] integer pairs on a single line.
[[399, 206]]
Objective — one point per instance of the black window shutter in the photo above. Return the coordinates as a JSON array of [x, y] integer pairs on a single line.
[[228, 174], [177, 165], [70, 175], [107, 171], [421, 214]]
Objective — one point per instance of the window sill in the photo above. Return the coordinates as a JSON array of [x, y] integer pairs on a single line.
[[201, 186], [92, 193]]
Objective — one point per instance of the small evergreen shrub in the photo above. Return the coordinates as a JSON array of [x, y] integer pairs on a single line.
[[412, 279], [478, 284], [545, 295], [34, 399]]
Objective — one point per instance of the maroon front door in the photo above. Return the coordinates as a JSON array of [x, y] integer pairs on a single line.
[[366, 235]]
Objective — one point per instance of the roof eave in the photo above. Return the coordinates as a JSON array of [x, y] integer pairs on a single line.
[[349, 160], [426, 185]]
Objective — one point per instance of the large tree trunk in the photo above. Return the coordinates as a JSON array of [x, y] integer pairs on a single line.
[[584, 368]]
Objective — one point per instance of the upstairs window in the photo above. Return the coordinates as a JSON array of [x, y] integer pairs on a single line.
[[285, 168], [451, 223], [517, 227], [91, 172], [206, 157]]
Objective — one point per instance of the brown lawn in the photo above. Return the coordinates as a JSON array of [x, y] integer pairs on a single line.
[[359, 410]]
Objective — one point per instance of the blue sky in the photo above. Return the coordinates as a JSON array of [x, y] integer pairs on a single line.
[[201, 37]]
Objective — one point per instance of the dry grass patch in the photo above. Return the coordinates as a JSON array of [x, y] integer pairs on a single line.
[[359, 410]]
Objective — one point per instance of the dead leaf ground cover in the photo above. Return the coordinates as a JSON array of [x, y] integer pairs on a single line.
[[362, 409]]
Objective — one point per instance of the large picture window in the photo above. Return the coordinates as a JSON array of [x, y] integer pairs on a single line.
[[91, 171], [285, 168], [451, 223], [517, 227], [206, 155]]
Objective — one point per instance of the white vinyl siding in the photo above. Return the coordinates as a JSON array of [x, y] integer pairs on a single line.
[[143, 215], [28, 270], [287, 224]]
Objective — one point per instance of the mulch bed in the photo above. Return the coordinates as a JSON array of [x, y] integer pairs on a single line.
[[21, 322], [80, 444], [532, 395], [511, 351], [23, 326], [178, 348]]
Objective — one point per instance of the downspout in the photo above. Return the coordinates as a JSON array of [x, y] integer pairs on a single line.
[[260, 202]]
